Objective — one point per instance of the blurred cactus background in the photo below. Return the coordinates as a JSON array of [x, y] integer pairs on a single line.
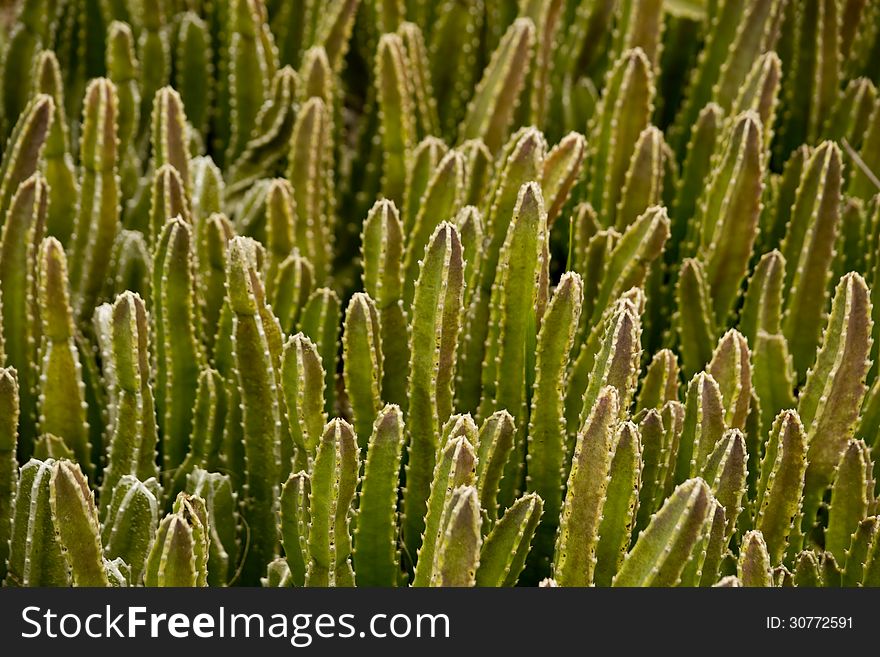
[[440, 293]]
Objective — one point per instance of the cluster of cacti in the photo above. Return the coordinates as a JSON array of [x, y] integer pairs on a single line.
[[403, 292]]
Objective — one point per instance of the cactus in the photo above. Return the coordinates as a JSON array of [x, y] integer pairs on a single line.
[[456, 466], [761, 324], [294, 511], [302, 383], [25, 147], [19, 244], [496, 96], [727, 217], [97, 220], [829, 402], [778, 499], [61, 404], [222, 512], [35, 556], [434, 334], [503, 553], [178, 353], [123, 69], [754, 561], [76, 522], [442, 198], [206, 439], [546, 447], [320, 320], [179, 556], [252, 66], [194, 54], [739, 33], [856, 557], [333, 483], [702, 428], [261, 419], [130, 522], [660, 383], [586, 494], [512, 324], [382, 255], [265, 151], [409, 293], [9, 418], [807, 248], [731, 368], [619, 510], [458, 554], [134, 433], [309, 173], [522, 161], [362, 355], [628, 94], [659, 555], [493, 446], [397, 114], [58, 166], [422, 162], [849, 500], [375, 554], [725, 472]]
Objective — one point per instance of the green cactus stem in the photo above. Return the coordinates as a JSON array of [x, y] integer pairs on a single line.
[[9, 412], [382, 249], [35, 555], [436, 317], [456, 467], [513, 325], [781, 482], [134, 433], [97, 220], [849, 499], [130, 521], [179, 556], [261, 419], [61, 403], [494, 446], [458, 552], [754, 561], [302, 384], [659, 555], [363, 359], [376, 555], [491, 109], [294, 530], [621, 499], [58, 164], [829, 402], [221, 506], [575, 553], [808, 250], [503, 553], [20, 241], [546, 446], [76, 521], [333, 482], [623, 114], [178, 354]]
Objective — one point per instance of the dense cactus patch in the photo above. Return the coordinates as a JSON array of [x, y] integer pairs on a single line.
[[402, 292]]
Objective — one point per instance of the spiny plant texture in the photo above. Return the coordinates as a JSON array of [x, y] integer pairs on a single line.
[[448, 293]]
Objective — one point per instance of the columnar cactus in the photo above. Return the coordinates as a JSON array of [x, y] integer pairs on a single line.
[[412, 293]]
